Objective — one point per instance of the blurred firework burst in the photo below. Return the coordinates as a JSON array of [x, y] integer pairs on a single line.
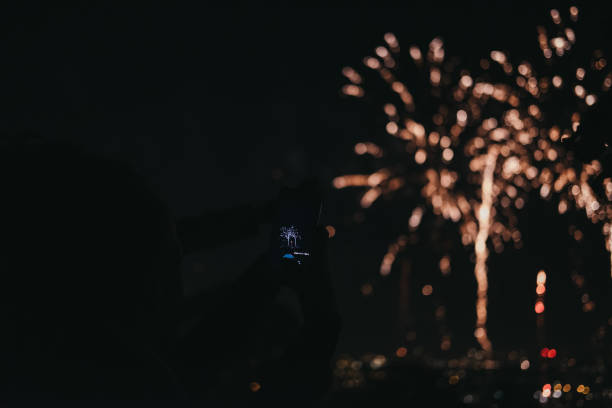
[[475, 143]]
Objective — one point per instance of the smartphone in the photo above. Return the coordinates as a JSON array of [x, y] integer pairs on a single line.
[[299, 213]]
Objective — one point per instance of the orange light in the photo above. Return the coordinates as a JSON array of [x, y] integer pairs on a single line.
[[427, 290], [540, 289], [254, 386], [445, 266], [539, 307], [420, 156], [401, 352], [331, 231]]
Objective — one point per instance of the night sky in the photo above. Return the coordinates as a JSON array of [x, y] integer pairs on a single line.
[[212, 105]]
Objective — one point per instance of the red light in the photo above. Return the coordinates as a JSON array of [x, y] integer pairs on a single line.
[[552, 353], [546, 387], [544, 352], [539, 307]]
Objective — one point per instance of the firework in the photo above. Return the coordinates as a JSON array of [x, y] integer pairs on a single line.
[[493, 136]]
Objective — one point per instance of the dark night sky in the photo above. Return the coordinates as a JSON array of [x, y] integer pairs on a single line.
[[207, 103]]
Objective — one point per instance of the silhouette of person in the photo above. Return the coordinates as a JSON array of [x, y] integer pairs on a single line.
[[91, 296], [90, 284]]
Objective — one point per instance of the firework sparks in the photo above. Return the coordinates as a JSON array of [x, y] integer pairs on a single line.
[[486, 145]]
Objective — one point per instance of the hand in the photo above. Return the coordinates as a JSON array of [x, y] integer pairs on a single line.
[[312, 279]]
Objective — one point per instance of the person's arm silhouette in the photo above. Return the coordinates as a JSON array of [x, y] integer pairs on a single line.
[[215, 228]]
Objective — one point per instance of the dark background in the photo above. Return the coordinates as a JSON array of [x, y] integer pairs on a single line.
[[213, 105]]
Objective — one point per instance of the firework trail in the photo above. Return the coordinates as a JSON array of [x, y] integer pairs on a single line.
[[492, 139]]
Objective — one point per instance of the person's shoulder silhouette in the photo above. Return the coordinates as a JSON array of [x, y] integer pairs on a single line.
[[89, 278]]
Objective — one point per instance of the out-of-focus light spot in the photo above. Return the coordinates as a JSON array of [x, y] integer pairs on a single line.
[[539, 307], [453, 379], [435, 76], [367, 289], [382, 52], [391, 39], [580, 74], [434, 138], [254, 386], [378, 361], [415, 218], [371, 63], [578, 235], [360, 148], [544, 352], [498, 57], [461, 116], [352, 75], [390, 109], [445, 265], [557, 81], [567, 388], [580, 388], [540, 289], [370, 148], [447, 155], [574, 12], [575, 189], [541, 278], [466, 81], [420, 156], [392, 128], [552, 353], [557, 394], [427, 290], [499, 134], [590, 100], [331, 231], [547, 53], [525, 365], [401, 352], [398, 87], [579, 91], [353, 90], [556, 17], [415, 53], [369, 197]]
